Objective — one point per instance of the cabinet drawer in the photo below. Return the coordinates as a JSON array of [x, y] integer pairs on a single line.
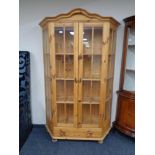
[[77, 132]]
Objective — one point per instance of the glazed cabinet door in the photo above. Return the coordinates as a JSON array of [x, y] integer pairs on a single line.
[[90, 77], [64, 73]]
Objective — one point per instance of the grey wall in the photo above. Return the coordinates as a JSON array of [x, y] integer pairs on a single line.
[[30, 35]]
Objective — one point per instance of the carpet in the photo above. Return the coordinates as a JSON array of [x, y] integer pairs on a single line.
[[39, 143]]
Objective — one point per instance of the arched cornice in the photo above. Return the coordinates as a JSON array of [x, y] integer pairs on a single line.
[[75, 12]]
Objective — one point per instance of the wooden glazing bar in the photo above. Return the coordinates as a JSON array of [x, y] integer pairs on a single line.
[[75, 52], [109, 77], [64, 50], [80, 70], [91, 89]]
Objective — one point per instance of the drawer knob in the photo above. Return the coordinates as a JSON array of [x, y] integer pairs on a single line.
[[62, 133], [89, 133]]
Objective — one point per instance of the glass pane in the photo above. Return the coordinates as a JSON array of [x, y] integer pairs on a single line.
[[109, 88], [110, 65], [69, 90], [59, 40], [45, 41], [95, 113], [96, 70], [86, 90], [69, 39], [113, 42], [129, 83], [130, 61], [111, 47], [131, 36], [95, 91], [59, 66], [129, 79], [64, 113], [69, 113], [60, 90], [48, 67], [87, 66], [111, 56], [60, 113], [86, 119], [97, 40], [69, 66], [108, 109], [87, 40]]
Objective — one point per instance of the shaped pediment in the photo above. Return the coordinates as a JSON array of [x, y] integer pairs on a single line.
[[77, 15]]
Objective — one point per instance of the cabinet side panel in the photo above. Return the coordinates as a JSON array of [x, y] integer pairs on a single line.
[[51, 37], [110, 75], [106, 42], [47, 75], [113, 66]]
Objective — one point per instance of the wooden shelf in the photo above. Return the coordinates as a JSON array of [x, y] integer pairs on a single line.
[[108, 78], [130, 70], [90, 54], [111, 54], [131, 45], [69, 79], [91, 79], [64, 53], [65, 102], [90, 102]]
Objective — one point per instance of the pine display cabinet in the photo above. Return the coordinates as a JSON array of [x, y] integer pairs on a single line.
[[79, 56]]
